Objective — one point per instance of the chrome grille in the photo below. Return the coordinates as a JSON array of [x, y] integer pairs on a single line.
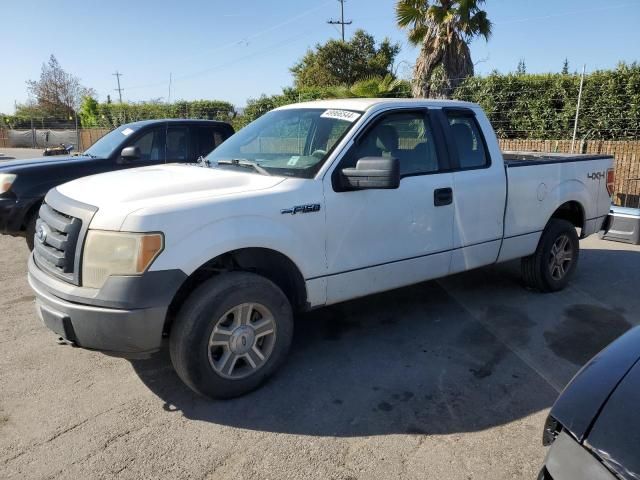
[[55, 242]]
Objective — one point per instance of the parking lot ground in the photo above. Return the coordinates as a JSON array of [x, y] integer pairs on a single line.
[[19, 153], [446, 380]]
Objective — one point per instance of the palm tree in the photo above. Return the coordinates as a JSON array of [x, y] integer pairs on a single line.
[[371, 87], [443, 29], [386, 86]]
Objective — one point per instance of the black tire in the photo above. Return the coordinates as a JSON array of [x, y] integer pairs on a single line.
[[30, 230], [190, 334], [537, 270]]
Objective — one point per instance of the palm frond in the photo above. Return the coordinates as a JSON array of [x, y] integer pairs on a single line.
[[410, 13], [418, 34], [481, 25]]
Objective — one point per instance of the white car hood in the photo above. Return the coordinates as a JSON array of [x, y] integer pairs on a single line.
[[116, 194]]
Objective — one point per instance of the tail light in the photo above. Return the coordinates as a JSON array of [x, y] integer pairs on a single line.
[[611, 179]]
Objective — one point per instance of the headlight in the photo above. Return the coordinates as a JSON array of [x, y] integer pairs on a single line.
[[6, 180], [117, 253]]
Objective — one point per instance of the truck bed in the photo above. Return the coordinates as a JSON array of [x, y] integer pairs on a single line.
[[523, 159]]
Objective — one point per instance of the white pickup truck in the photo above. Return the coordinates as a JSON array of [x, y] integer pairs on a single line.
[[310, 205]]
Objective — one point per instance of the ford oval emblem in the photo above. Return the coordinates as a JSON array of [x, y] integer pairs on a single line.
[[41, 233]]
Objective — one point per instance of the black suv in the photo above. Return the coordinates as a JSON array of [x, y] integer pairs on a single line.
[[24, 183]]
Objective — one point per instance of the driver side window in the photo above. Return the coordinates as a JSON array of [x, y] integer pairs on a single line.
[[151, 146], [406, 136]]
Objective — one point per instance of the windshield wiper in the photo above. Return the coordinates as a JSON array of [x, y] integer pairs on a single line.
[[203, 162], [240, 162], [85, 154]]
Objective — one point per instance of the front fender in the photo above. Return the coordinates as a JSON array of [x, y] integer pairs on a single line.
[[296, 238]]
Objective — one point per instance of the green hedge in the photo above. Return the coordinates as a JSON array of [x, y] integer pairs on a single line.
[[544, 106], [110, 115]]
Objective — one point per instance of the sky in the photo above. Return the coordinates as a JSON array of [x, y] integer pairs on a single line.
[[235, 50]]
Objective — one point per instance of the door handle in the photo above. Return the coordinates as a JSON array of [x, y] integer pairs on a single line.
[[442, 196]]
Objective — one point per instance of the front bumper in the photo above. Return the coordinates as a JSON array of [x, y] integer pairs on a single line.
[[125, 318], [13, 215], [568, 460]]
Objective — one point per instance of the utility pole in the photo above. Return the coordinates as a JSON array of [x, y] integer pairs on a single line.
[[169, 101], [341, 22], [119, 90], [575, 123]]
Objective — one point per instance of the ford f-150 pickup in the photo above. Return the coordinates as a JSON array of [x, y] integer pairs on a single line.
[[310, 205]]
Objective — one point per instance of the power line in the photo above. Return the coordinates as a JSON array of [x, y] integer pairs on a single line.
[[119, 90], [245, 41], [564, 14], [340, 22]]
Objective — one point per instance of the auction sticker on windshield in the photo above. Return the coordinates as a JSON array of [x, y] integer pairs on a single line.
[[127, 131], [341, 115]]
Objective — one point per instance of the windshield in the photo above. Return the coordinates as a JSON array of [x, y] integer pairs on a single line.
[[104, 147], [294, 142]]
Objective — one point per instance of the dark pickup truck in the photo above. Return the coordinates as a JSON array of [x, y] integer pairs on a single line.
[[24, 183]]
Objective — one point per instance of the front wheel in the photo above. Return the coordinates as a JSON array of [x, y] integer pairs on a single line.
[[550, 268], [231, 334]]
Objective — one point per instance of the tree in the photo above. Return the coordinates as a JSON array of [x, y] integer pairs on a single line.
[[443, 29], [89, 112], [522, 68], [345, 63], [57, 93], [565, 67]]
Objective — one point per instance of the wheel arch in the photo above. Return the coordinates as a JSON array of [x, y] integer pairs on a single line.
[[31, 211], [271, 264], [572, 211]]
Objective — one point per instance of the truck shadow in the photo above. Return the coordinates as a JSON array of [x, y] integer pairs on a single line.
[[408, 361], [414, 361]]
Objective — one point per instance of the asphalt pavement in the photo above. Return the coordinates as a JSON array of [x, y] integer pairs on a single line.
[[450, 379], [19, 153]]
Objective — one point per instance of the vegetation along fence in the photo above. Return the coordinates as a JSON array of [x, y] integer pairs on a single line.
[[625, 152]]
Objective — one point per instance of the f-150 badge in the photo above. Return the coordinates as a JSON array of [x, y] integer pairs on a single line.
[[313, 207]]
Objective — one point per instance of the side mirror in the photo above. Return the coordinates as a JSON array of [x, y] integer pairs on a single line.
[[129, 154], [372, 173]]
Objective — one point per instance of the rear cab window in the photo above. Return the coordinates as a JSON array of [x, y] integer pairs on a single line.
[[464, 133], [205, 139], [177, 144]]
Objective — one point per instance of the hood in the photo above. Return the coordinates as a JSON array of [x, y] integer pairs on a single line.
[[615, 435], [155, 186], [583, 398], [17, 166]]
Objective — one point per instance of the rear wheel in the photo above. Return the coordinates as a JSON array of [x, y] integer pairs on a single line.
[[550, 268], [231, 334]]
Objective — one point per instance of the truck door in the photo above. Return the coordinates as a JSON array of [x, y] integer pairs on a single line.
[[383, 239], [479, 191]]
